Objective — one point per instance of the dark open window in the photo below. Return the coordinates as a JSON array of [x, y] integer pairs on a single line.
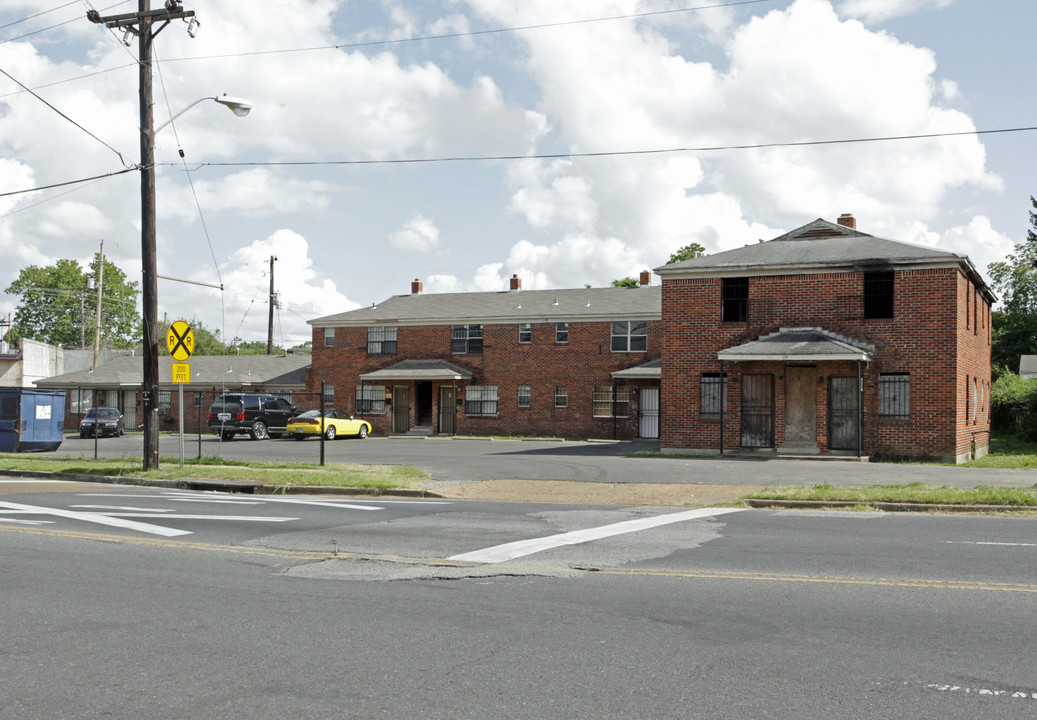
[[878, 294], [734, 299]]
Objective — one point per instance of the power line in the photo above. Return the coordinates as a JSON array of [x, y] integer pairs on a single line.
[[553, 156], [616, 153], [12, 78]]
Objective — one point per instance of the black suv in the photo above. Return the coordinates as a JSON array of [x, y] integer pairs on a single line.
[[260, 415]]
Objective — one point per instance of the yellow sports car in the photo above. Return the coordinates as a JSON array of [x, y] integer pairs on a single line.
[[333, 424]]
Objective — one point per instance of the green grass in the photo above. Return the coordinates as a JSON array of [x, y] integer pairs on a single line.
[[1008, 452], [910, 493], [279, 475]]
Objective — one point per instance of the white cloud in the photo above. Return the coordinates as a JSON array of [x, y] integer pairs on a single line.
[[876, 11], [255, 192], [419, 234]]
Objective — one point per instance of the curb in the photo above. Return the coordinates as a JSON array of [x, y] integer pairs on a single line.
[[884, 506], [233, 486]]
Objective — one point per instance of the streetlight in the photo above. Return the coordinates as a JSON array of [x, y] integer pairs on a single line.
[[238, 106], [141, 23]]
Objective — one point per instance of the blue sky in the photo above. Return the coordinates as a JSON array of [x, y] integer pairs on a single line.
[[347, 235]]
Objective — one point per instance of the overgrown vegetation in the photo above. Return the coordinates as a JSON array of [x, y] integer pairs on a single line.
[[1013, 406]]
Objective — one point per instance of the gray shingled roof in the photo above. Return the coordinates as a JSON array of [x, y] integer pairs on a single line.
[[819, 245], [584, 304], [282, 371], [803, 344], [420, 370], [1028, 365]]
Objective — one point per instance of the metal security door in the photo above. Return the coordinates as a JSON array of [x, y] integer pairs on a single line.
[[648, 426], [400, 408], [842, 412], [447, 410], [757, 411]]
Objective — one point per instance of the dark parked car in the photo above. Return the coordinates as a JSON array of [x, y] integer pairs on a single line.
[[258, 415], [102, 421]]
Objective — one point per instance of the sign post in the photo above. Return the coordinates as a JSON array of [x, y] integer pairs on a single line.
[[180, 341]]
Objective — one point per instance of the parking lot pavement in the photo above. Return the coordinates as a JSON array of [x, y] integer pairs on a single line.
[[468, 460]]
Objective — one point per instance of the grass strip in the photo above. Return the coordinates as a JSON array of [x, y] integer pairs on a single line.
[[279, 475], [909, 493]]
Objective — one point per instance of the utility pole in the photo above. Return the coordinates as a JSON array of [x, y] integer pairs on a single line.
[[273, 300], [100, 284], [141, 24]]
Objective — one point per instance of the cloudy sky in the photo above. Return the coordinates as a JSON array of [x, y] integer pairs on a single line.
[[531, 120]]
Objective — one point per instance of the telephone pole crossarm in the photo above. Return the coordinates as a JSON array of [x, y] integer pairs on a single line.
[[172, 11]]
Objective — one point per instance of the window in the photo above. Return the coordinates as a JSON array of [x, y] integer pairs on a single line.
[[329, 395], [895, 396], [198, 398], [713, 387], [480, 400], [81, 400], [164, 401], [329, 337], [630, 336], [562, 332], [561, 396], [878, 294], [523, 395], [525, 333], [370, 399], [611, 401], [734, 293], [381, 341], [466, 339], [10, 408]]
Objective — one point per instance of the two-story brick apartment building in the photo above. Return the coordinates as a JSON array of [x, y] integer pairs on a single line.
[[827, 339], [577, 363]]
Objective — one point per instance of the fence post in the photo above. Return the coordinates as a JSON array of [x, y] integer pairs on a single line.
[[322, 423]]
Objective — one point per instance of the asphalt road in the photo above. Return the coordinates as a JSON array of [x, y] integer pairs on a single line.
[[469, 460], [330, 607]]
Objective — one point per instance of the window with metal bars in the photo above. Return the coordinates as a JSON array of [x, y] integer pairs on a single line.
[[713, 387], [895, 396], [611, 401], [878, 294], [734, 293], [370, 399], [524, 394], [480, 400]]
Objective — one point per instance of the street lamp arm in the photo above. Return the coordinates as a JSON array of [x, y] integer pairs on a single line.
[[238, 106]]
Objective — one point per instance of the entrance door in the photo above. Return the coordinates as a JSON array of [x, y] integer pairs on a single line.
[[400, 408], [447, 410], [801, 407], [842, 412], [648, 427], [757, 411]]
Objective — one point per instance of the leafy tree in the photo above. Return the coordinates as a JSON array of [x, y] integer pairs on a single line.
[[1015, 281], [626, 282], [692, 250], [55, 306], [206, 342], [252, 347]]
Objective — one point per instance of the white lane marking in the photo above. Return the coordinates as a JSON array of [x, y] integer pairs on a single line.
[[122, 507], [98, 518], [1003, 544], [256, 518], [510, 551], [27, 522]]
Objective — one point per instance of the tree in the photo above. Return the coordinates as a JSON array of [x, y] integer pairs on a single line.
[[626, 282], [206, 342], [55, 306], [1015, 281], [692, 250]]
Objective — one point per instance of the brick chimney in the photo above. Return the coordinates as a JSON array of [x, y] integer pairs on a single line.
[[516, 283], [846, 220], [646, 278], [415, 287]]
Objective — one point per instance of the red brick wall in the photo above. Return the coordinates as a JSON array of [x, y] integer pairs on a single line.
[[584, 362], [927, 338]]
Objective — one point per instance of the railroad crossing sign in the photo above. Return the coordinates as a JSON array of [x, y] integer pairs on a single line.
[[180, 340]]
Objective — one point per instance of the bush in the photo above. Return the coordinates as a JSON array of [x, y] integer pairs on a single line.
[[1013, 406]]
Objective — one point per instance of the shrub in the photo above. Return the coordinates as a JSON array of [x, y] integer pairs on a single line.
[[1013, 406]]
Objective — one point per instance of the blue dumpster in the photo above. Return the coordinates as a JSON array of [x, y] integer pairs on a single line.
[[31, 420]]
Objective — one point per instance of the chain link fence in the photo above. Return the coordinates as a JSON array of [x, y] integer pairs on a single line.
[[231, 425]]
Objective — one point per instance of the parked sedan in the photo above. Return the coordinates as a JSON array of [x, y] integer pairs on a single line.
[[333, 424], [102, 421]]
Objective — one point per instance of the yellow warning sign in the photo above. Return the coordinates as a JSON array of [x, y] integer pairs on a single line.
[[181, 372], [180, 341]]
